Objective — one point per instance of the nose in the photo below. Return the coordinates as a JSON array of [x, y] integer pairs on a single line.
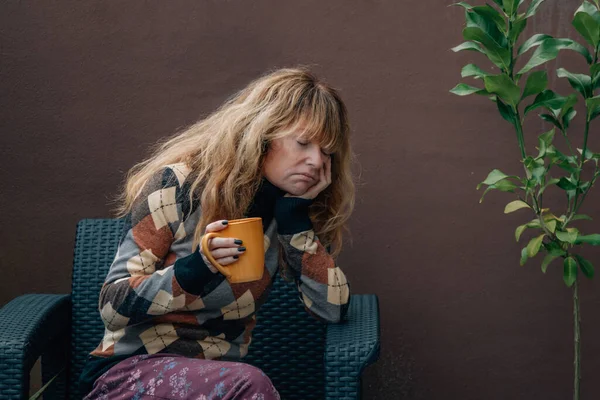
[[316, 158]]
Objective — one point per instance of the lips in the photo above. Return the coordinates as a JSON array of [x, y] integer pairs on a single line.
[[309, 176]]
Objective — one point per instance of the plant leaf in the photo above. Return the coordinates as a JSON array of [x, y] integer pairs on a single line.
[[39, 393], [568, 117], [533, 8], [547, 260], [494, 177], [552, 119], [531, 224], [462, 4], [534, 245], [593, 239], [517, 28], [487, 24], [578, 48], [589, 9], [549, 100], [494, 50], [504, 87], [505, 185], [463, 89], [468, 46], [567, 237], [523, 256], [547, 137], [489, 13], [506, 112], [566, 184], [533, 41], [570, 101], [472, 70], [586, 267], [548, 50], [595, 73], [593, 105], [515, 205], [581, 217], [519, 231], [510, 6], [588, 153], [569, 271], [537, 81], [580, 82], [549, 216], [587, 26], [551, 225]]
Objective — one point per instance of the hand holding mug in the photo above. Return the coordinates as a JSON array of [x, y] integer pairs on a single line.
[[224, 250]]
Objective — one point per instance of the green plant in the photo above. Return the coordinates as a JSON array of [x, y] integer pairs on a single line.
[[494, 30], [40, 392]]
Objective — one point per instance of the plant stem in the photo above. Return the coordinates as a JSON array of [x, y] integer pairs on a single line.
[[585, 139], [580, 166], [518, 124], [564, 133], [586, 192], [520, 137], [577, 341]]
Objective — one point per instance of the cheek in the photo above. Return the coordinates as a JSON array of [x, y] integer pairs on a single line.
[[275, 164], [285, 159]]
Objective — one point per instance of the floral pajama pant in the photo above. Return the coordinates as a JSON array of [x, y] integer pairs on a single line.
[[169, 376]]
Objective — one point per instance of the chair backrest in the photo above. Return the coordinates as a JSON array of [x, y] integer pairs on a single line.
[[287, 344]]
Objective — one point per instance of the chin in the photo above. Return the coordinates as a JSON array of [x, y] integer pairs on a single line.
[[297, 191]]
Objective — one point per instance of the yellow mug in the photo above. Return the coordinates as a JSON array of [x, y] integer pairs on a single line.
[[251, 264]]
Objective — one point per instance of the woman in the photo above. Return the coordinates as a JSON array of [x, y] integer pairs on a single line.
[[175, 327]]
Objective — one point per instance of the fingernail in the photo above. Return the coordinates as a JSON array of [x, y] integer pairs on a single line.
[[241, 248], [225, 222], [238, 241], [236, 257]]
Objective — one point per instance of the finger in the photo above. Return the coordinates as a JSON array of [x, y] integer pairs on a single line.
[[322, 178], [324, 173], [228, 252], [227, 260], [217, 226], [222, 261], [328, 174], [220, 242]]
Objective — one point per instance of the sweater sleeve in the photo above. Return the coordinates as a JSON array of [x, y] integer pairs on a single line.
[[145, 279], [323, 287]]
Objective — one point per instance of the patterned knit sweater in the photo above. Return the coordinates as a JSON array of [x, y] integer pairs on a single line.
[[159, 296]]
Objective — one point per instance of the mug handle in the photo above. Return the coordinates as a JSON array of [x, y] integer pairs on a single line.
[[208, 255]]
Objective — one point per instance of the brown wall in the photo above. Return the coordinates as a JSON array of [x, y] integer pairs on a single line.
[[85, 87]]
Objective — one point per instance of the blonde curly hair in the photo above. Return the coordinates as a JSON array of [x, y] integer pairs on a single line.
[[226, 151]]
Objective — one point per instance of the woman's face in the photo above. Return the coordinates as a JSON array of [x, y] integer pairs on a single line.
[[293, 163]]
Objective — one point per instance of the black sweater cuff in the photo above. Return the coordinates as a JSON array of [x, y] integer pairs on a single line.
[[194, 276], [291, 214]]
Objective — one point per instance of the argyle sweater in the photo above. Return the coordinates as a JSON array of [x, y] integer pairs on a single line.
[[160, 297]]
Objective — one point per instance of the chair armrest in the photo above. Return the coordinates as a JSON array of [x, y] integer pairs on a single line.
[[29, 326], [351, 346]]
